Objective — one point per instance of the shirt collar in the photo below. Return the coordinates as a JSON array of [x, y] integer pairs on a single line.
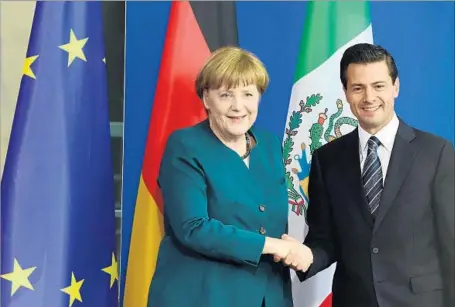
[[386, 135]]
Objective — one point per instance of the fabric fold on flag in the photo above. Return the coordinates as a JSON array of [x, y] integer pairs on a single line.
[[57, 193]]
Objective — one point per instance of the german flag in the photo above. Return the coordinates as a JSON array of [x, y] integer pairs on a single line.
[[194, 30]]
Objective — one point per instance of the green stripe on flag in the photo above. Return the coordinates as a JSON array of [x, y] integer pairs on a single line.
[[329, 26]]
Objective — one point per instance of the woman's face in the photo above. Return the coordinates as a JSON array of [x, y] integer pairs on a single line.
[[232, 111]]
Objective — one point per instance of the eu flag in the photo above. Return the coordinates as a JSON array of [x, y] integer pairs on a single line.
[[57, 199]]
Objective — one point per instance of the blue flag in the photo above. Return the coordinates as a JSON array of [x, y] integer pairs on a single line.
[[57, 199]]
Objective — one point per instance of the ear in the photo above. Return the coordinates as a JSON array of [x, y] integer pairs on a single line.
[[396, 87], [205, 99]]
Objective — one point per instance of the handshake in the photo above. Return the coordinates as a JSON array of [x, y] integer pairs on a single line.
[[289, 251]]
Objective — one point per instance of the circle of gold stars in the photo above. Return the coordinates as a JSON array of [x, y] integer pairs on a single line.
[[74, 48], [19, 277]]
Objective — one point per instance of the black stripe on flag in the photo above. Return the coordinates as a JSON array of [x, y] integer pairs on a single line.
[[217, 21]]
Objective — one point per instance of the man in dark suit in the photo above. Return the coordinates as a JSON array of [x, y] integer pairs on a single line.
[[381, 199]]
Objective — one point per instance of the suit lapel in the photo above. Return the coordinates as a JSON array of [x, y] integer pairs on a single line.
[[403, 154], [353, 177]]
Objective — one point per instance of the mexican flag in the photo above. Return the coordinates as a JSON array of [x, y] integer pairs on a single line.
[[317, 114]]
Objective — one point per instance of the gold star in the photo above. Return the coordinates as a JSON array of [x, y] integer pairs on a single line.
[[27, 69], [104, 60], [74, 290], [112, 270], [74, 48], [19, 277]]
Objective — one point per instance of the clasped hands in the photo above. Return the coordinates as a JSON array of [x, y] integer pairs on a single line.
[[291, 252]]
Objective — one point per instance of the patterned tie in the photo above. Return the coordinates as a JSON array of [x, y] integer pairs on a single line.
[[372, 175]]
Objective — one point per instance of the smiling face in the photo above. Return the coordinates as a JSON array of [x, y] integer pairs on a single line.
[[371, 94], [230, 84], [232, 111]]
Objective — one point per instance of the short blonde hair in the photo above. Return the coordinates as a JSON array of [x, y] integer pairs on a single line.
[[229, 67]]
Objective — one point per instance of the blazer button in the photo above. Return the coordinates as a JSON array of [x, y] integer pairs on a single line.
[[262, 230], [262, 208], [375, 250]]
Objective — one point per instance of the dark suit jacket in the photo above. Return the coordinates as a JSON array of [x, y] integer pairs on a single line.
[[406, 257], [217, 213]]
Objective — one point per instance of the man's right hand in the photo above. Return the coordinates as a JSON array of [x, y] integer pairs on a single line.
[[299, 256]]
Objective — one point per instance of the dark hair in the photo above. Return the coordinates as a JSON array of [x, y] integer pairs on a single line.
[[364, 53]]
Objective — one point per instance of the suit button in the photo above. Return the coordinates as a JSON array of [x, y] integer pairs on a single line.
[[262, 230], [375, 250], [262, 208]]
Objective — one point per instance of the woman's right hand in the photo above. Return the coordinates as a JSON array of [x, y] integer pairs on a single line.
[[277, 247], [290, 251]]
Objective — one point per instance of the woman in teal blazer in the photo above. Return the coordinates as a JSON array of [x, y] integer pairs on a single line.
[[225, 199]]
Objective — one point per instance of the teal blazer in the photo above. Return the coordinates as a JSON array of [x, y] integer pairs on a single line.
[[217, 212]]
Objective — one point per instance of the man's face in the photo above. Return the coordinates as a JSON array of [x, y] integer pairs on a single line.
[[371, 94]]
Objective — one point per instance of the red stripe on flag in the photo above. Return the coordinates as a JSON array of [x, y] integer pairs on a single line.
[[327, 302], [176, 104]]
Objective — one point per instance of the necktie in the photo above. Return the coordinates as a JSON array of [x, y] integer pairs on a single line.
[[372, 175]]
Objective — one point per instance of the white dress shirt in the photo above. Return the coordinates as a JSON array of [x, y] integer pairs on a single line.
[[387, 137]]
